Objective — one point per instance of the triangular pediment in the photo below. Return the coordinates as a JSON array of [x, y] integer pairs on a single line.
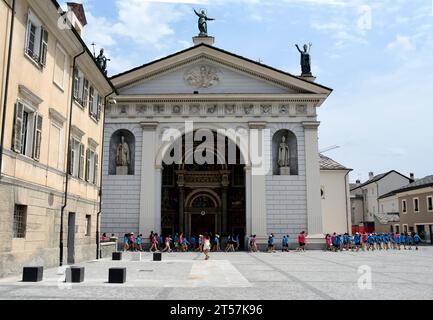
[[208, 70]]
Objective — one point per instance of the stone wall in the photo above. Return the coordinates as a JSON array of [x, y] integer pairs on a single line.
[[41, 243], [121, 194], [286, 199]]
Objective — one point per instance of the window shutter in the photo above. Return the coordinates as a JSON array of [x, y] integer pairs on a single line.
[[91, 100], [44, 46], [38, 137], [87, 165], [98, 116], [85, 93], [96, 174], [71, 155], [18, 127], [76, 84], [81, 167]]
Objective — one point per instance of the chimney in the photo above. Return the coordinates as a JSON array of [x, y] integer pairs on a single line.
[[412, 176], [358, 182], [77, 16], [371, 175]]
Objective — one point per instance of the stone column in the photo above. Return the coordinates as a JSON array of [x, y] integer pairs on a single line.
[[158, 190], [258, 181], [148, 180], [248, 200], [312, 168], [181, 185], [224, 185]]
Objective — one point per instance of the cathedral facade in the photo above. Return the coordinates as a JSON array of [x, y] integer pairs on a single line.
[[208, 141]]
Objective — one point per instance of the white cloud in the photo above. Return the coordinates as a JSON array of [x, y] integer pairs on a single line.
[[401, 44]]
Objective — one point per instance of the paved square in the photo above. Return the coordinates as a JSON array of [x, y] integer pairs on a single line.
[[239, 276]]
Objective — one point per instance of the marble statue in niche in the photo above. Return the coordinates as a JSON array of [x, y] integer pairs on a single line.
[[123, 158], [284, 157]]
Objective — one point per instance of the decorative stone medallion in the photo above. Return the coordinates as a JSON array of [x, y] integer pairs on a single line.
[[301, 109], [177, 109], [202, 77]]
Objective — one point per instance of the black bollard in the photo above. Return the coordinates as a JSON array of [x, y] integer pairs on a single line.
[[75, 274], [117, 256], [157, 256], [117, 275], [33, 274]]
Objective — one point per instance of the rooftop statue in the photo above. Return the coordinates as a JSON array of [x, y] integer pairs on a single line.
[[305, 59], [101, 60], [202, 22]]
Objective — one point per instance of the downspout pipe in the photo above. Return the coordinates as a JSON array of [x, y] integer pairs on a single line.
[[6, 91], [349, 231], [98, 215], [68, 161]]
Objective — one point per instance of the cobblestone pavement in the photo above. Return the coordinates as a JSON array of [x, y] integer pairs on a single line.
[[239, 276]]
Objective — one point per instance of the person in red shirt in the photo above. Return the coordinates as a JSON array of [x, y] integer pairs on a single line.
[[328, 243], [302, 241]]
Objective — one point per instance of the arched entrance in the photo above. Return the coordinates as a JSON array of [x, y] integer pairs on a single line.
[[208, 197]]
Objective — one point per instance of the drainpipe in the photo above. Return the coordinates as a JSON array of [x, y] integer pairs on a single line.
[[68, 161], [347, 204], [98, 215], [8, 70]]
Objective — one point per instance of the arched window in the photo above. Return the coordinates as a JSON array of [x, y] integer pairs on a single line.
[[289, 138], [115, 142]]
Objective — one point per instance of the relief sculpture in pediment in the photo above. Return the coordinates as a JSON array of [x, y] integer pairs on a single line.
[[202, 77]]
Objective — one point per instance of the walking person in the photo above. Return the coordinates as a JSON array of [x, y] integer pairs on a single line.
[[416, 240], [271, 241], [286, 243], [167, 244], [254, 244], [302, 241], [126, 242], [139, 242], [206, 246], [154, 243], [328, 242]]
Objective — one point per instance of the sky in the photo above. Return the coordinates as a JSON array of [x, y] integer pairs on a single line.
[[376, 55]]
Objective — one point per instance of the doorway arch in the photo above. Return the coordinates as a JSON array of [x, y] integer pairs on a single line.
[[197, 197]]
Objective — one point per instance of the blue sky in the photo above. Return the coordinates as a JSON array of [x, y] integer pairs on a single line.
[[376, 55]]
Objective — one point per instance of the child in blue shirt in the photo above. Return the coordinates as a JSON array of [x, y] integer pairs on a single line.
[[337, 243], [370, 242], [416, 240], [403, 240], [271, 241], [286, 243], [409, 241]]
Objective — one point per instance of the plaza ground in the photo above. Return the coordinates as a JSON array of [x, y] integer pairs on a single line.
[[238, 276]]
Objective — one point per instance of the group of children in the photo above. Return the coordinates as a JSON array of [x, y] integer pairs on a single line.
[[179, 243], [302, 242], [335, 242], [372, 241]]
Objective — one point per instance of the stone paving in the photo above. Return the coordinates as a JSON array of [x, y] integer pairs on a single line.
[[239, 276]]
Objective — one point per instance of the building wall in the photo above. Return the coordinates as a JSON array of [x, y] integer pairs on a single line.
[[335, 201], [412, 218], [121, 194], [286, 197], [5, 18], [40, 184], [357, 210], [377, 189], [389, 205]]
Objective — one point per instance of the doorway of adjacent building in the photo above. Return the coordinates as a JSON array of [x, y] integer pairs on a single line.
[[71, 238]]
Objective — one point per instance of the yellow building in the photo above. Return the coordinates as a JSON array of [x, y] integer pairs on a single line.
[[52, 101]]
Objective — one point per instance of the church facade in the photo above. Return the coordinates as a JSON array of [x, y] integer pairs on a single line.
[[208, 141]]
